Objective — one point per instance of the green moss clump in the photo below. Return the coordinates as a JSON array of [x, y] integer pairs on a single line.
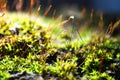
[[37, 50]]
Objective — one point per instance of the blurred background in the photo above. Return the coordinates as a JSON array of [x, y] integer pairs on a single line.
[[108, 7], [82, 10]]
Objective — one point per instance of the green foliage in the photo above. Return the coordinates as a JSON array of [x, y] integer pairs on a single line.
[[95, 75], [100, 57], [53, 52]]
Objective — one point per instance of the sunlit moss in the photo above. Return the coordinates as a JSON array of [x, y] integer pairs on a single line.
[[49, 50]]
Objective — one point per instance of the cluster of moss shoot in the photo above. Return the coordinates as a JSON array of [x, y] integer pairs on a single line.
[[52, 55]]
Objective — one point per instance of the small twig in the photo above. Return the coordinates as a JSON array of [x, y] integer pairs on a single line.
[[53, 15], [111, 27], [47, 11], [72, 18]]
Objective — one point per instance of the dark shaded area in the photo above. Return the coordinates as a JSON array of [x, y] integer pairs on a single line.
[[25, 76], [108, 6], [56, 4]]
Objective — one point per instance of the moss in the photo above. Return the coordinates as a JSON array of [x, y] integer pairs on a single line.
[[53, 55]]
